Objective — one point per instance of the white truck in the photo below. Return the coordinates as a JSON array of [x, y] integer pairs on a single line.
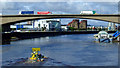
[[88, 12]]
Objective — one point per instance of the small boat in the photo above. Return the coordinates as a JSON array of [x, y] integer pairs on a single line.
[[103, 36], [25, 62], [35, 59], [35, 56]]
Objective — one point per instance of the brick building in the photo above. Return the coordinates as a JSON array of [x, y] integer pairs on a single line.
[[78, 25], [74, 23], [83, 24]]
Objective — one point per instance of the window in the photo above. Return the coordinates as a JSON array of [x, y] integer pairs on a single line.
[[39, 25], [44, 25], [53, 26]]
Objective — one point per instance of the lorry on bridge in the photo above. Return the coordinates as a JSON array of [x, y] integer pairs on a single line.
[[44, 12], [26, 12], [88, 12]]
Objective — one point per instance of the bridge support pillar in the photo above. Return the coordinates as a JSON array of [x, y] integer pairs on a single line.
[[6, 28], [6, 38]]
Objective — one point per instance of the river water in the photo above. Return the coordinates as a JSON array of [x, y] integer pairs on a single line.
[[73, 50]]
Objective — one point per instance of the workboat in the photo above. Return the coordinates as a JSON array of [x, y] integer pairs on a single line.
[[103, 36], [25, 62], [35, 59], [35, 56]]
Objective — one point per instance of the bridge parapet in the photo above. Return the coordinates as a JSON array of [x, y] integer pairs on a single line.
[[11, 19]]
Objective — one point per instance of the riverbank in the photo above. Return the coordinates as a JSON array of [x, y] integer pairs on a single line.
[[24, 35], [27, 35]]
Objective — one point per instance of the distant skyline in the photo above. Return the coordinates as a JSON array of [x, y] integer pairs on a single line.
[[9, 8]]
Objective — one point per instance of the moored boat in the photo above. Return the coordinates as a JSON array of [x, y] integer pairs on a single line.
[[103, 36]]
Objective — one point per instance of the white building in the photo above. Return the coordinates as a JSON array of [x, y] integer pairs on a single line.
[[21, 25], [41, 25], [24, 26], [64, 27], [111, 26], [48, 24]]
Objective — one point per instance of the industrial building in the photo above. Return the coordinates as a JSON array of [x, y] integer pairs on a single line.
[[22, 25]]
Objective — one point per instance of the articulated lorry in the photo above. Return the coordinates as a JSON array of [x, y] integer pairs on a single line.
[[88, 12], [26, 12]]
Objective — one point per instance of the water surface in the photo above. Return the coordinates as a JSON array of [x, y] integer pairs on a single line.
[[73, 50]]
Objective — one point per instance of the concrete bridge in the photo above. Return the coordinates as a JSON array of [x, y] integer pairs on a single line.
[[12, 19]]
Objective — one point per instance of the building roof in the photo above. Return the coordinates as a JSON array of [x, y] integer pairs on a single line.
[[69, 23]]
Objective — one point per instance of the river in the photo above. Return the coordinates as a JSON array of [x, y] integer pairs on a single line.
[[73, 50]]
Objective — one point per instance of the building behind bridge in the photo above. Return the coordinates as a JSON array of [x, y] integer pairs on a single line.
[[39, 25], [76, 24], [48, 24]]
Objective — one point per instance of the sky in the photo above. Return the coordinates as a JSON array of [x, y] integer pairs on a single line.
[[11, 8]]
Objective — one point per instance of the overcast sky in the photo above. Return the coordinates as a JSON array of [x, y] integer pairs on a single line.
[[62, 8]]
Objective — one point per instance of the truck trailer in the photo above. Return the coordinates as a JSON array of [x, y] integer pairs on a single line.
[[26, 12], [44, 12], [88, 12]]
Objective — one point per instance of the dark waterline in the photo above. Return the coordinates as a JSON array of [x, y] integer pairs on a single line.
[[74, 50]]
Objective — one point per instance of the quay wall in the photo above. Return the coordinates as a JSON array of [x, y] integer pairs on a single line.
[[6, 37]]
